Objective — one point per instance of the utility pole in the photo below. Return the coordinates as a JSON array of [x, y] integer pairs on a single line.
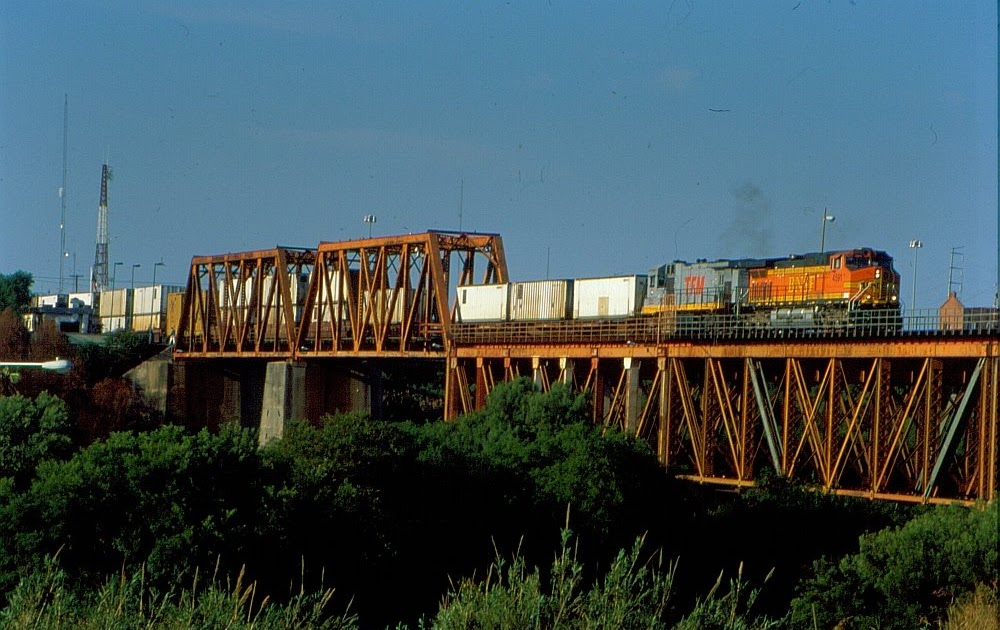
[[952, 269], [62, 193], [914, 245]]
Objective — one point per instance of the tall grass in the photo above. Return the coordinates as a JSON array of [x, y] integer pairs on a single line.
[[45, 600], [633, 593]]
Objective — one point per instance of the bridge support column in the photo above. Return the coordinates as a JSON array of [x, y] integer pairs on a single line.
[[537, 374], [566, 371], [204, 394], [284, 398], [632, 394], [663, 412], [596, 381]]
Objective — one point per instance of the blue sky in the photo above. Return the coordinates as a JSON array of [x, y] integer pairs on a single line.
[[597, 138]]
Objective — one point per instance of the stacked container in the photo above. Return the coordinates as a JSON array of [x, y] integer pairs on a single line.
[[115, 306], [483, 303], [540, 300], [617, 296]]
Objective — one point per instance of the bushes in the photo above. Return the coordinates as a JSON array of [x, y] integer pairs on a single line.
[[410, 510], [902, 577], [31, 431], [168, 500]]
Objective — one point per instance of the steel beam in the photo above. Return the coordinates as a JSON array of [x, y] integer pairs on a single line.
[[909, 428]]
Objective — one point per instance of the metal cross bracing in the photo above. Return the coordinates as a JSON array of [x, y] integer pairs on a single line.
[[911, 422], [373, 297], [244, 304]]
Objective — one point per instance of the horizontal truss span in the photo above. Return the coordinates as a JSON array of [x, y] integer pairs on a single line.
[[911, 421], [377, 296]]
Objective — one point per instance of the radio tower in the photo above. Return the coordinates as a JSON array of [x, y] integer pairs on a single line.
[[99, 275], [62, 194]]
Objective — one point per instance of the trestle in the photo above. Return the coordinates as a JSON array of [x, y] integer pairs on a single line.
[[894, 426]]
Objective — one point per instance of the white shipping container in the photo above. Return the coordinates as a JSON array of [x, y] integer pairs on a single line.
[[153, 299], [116, 303], [229, 296], [330, 299], [112, 324], [56, 299], [540, 300], [483, 303], [76, 300], [380, 303], [618, 296]]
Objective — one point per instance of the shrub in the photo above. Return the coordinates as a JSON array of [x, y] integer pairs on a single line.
[[903, 577]]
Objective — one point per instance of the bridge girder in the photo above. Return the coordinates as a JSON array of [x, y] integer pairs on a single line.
[[378, 296], [920, 426]]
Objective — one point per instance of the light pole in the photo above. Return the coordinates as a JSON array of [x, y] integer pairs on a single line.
[[827, 218], [914, 245], [152, 300], [370, 219]]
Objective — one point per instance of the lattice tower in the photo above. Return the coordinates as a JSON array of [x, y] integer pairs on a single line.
[[99, 277]]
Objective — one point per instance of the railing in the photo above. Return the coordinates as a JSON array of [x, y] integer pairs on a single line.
[[680, 326]]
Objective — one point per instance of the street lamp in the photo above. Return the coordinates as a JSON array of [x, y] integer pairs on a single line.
[[9, 378], [914, 245], [827, 218], [370, 219], [57, 365]]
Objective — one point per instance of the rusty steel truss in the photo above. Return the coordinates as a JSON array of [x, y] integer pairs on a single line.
[[911, 421], [909, 418], [371, 297]]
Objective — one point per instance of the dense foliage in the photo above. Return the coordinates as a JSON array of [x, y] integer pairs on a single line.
[[15, 290], [902, 576], [395, 522]]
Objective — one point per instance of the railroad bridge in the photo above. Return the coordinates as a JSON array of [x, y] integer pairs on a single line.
[[907, 411]]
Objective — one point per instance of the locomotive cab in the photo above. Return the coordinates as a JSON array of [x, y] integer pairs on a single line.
[[870, 280]]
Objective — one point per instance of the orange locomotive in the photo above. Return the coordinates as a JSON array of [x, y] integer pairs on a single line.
[[858, 278], [797, 290]]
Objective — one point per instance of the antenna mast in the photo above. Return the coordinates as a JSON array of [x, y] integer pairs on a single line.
[[62, 193], [99, 277], [955, 286]]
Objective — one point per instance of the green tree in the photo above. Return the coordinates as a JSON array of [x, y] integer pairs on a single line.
[[15, 290], [31, 431], [167, 500], [904, 577]]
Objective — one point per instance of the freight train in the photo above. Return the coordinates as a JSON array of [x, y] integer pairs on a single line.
[[814, 290]]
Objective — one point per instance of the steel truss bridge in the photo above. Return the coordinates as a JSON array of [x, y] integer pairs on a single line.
[[906, 412]]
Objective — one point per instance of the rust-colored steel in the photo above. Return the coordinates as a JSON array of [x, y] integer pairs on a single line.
[[907, 417], [373, 297], [391, 295], [920, 425], [244, 304]]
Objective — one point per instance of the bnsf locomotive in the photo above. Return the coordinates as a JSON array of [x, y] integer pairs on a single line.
[[794, 290]]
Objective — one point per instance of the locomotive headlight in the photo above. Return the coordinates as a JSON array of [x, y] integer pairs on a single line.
[[878, 273]]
